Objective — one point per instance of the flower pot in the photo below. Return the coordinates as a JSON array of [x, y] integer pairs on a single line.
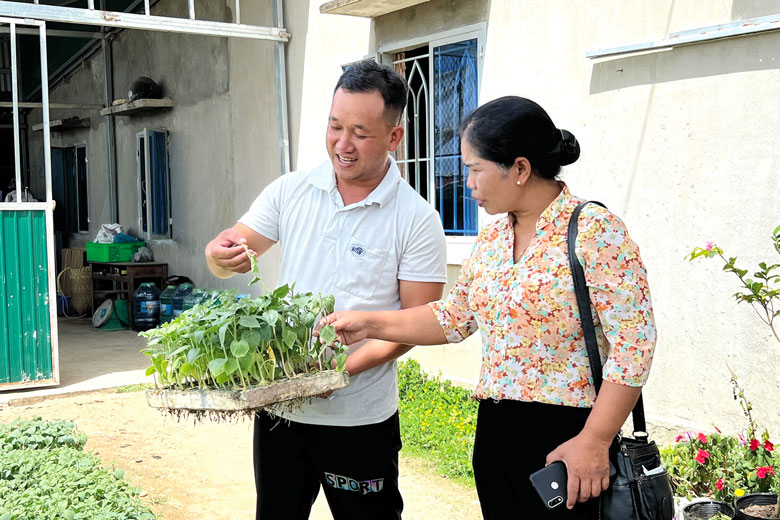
[[754, 499], [706, 509]]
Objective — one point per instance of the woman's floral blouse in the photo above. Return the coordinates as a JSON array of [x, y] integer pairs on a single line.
[[533, 347]]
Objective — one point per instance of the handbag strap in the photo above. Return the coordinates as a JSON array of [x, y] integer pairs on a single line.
[[586, 317]]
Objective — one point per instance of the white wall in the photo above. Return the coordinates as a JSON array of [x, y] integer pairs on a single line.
[[681, 144]]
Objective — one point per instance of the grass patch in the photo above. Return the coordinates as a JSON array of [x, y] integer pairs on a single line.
[[438, 422], [138, 387], [45, 474]]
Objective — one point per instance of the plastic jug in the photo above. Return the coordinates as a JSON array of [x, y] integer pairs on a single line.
[[194, 298], [146, 306], [166, 304], [178, 298]]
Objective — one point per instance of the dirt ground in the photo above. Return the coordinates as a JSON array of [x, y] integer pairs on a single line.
[[189, 471]]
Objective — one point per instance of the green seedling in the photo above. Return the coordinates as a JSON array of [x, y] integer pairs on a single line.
[[236, 343]]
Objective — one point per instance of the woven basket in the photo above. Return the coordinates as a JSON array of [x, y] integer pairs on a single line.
[[81, 288]]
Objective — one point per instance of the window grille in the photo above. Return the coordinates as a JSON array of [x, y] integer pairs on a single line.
[[443, 87]]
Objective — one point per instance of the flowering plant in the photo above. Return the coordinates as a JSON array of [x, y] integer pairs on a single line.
[[733, 466], [721, 466]]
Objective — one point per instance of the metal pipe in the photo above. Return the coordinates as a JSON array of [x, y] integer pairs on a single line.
[[111, 164], [67, 106], [49, 212], [280, 70], [126, 20], [191, 5], [91, 5], [238, 11], [45, 112], [147, 9], [15, 102], [699, 35], [56, 32]]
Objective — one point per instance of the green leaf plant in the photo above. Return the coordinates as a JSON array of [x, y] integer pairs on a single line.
[[762, 292], [234, 343]]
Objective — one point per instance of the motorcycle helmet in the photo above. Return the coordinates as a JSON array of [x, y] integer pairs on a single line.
[[144, 88]]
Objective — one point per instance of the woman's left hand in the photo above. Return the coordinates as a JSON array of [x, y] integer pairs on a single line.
[[587, 464]]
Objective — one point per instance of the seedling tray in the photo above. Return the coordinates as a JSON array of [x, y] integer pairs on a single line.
[[252, 399]]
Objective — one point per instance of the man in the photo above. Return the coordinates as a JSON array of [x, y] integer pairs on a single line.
[[352, 228]]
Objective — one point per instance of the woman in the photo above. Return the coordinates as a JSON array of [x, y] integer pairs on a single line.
[[537, 400]]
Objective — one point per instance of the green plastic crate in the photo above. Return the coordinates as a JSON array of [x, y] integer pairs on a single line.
[[121, 252]]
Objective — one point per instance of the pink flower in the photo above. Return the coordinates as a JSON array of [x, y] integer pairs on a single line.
[[754, 444], [678, 438], [719, 484], [768, 446], [763, 471], [702, 438], [702, 456], [709, 246]]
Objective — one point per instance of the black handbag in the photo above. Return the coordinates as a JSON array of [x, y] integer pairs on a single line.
[[640, 488]]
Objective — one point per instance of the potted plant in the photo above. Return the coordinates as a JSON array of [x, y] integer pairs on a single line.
[[762, 292]]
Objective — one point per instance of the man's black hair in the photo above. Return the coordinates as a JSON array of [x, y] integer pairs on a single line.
[[370, 76]]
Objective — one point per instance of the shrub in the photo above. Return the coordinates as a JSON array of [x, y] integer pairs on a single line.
[[45, 474], [37, 433], [438, 421]]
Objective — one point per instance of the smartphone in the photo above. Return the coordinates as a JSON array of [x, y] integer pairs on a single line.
[[550, 482]]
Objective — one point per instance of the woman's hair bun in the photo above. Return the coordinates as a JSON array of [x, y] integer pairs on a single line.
[[567, 150]]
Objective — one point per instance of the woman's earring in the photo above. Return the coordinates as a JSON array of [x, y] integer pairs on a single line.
[[518, 183]]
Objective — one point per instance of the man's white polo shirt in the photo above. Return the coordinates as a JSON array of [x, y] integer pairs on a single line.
[[356, 253]]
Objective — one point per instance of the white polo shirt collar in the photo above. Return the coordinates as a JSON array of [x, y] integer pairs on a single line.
[[325, 179]]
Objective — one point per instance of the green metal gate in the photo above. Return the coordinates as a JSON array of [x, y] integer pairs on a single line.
[[25, 320], [28, 318]]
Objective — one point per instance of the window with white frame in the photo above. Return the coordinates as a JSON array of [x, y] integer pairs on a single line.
[[154, 184], [443, 78]]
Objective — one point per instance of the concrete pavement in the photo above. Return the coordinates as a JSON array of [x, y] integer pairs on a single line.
[[90, 360]]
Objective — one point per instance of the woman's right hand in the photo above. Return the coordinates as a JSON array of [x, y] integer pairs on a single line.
[[351, 326]]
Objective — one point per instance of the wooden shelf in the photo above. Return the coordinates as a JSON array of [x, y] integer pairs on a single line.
[[61, 125], [139, 105], [366, 8]]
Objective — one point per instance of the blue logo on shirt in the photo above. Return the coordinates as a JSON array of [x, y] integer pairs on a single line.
[[357, 251]]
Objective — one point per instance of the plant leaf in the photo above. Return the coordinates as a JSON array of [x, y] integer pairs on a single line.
[[239, 348], [249, 322], [328, 334], [216, 366], [231, 365]]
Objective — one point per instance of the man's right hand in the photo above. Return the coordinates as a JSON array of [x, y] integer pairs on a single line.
[[226, 256]]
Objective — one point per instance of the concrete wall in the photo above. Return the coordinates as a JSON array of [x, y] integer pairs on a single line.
[[223, 132], [679, 143]]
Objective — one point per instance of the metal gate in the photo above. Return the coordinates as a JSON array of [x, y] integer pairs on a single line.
[[28, 317]]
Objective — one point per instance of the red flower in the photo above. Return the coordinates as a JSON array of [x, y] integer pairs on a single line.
[[702, 438], [678, 438], [754, 444], [768, 446], [719, 484], [764, 470], [702, 456]]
